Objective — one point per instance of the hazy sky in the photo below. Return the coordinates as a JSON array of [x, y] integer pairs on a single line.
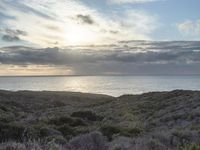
[[92, 37]]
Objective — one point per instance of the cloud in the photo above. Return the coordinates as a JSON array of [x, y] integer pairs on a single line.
[[130, 1], [125, 58], [140, 22], [85, 19], [3, 16], [9, 38], [10, 35], [15, 32], [54, 23], [190, 27]]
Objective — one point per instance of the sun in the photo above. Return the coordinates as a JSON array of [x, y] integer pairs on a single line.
[[78, 35]]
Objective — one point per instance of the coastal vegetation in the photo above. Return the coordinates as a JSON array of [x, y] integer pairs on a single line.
[[77, 121]]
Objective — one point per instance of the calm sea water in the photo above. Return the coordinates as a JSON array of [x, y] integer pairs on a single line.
[[111, 85]]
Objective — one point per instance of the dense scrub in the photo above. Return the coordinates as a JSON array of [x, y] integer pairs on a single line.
[[76, 121]]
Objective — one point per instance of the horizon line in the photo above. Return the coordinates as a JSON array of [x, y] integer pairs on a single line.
[[100, 75]]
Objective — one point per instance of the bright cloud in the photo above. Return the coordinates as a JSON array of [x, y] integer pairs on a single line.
[[191, 28], [66, 22]]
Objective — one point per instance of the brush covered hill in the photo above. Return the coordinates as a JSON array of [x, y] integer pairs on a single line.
[[82, 121]]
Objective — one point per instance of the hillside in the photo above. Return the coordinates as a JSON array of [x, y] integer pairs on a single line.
[[80, 121]]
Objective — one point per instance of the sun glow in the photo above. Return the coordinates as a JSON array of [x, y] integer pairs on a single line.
[[77, 35]]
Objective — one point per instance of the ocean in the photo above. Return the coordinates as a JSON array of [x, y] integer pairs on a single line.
[[110, 85]]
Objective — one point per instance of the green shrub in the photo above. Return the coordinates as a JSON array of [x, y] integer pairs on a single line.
[[57, 139], [131, 132], [88, 115], [154, 144], [67, 120], [110, 130], [67, 131], [6, 118], [190, 147], [45, 132], [4, 108], [13, 146], [58, 103], [11, 131], [78, 122]]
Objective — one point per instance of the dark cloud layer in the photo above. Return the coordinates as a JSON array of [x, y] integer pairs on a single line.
[[9, 38], [15, 32], [10, 35], [155, 58]]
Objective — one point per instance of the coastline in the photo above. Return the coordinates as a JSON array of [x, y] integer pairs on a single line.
[[160, 119]]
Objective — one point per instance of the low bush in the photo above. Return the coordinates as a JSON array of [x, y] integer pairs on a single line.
[[11, 131], [88, 115], [109, 131], [154, 144], [45, 132], [90, 141], [190, 147], [67, 120], [57, 139], [67, 131], [12, 146], [131, 132]]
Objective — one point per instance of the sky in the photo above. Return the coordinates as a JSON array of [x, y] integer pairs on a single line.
[[99, 37]]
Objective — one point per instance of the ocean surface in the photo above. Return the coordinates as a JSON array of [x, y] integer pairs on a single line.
[[111, 85]]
